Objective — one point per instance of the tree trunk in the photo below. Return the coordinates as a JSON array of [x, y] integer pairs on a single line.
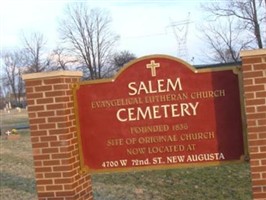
[[256, 25]]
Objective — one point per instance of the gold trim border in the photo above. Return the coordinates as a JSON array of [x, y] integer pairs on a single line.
[[75, 87], [235, 69]]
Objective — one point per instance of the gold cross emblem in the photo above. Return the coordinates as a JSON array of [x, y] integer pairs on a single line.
[[153, 67]]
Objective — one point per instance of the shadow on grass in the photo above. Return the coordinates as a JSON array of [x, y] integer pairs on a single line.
[[18, 183], [215, 182]]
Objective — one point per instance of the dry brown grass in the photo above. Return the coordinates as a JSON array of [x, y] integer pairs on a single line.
[[227, 182], [17, 172]]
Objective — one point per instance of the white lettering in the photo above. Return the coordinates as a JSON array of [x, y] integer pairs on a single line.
[[157, 112], [150, 87]]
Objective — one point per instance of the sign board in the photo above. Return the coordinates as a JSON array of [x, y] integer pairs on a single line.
[[159, 112]]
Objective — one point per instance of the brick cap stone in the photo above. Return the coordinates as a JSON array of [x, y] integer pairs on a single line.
[[51, 74], [256, 52]]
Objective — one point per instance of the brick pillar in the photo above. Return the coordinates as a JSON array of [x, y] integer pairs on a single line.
[[53, 136], [254, 75]]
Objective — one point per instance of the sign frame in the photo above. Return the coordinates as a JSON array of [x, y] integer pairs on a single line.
[[86, 169]]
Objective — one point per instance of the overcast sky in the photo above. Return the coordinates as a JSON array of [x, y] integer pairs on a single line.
[[144, 26]]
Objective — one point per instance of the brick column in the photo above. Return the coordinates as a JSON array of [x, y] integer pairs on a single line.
[[53, 136], [254, 75]]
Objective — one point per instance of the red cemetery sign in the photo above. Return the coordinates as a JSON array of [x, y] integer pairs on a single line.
[[159, 112]]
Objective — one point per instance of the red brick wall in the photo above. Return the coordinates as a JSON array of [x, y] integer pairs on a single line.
[[53, 137], [54, 142], [254, 75]]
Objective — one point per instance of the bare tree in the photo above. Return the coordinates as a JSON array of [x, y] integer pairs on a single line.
[[13, 67], [34, 53], [223, 41], [117, 61], [250, 14], [121, 58], [87, 34], [2, 96], [60, 60]]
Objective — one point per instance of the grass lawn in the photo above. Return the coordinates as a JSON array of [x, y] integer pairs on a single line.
[[13, 119], [226, 182], [17, 173]]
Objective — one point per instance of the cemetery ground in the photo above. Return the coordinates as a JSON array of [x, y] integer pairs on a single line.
[[17, 182]]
